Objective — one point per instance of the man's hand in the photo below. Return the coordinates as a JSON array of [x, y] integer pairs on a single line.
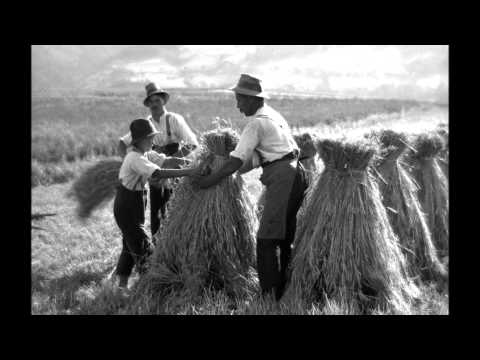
[[232, 165]]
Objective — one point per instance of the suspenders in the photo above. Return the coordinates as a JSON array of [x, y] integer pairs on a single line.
[[169, 133]]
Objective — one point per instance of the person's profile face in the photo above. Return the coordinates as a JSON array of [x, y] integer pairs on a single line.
[[244, 104]]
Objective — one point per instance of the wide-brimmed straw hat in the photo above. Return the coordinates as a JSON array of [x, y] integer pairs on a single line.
[[152, 89], [141, 129], [248, 85]]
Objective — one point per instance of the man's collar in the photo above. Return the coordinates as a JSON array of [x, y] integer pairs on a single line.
[[150, 117]]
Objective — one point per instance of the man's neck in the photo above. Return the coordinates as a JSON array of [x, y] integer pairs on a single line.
[[258, 108], [157, 115]]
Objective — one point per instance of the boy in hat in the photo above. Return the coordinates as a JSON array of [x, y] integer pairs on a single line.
[[175, 138], [267, 140], [139, 165]]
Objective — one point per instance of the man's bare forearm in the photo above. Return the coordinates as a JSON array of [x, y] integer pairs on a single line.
[[232, 165]]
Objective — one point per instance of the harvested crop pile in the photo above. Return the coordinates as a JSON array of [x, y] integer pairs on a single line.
[[95, 186], [433, 187], [444, 153], [345, 248], [208, 237], [308, 151], [399, 196]]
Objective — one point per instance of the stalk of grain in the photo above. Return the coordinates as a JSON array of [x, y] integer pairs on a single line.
[[345, 248], [399, 196], [306, 143], [444, 153], [95, 186], [208, 237], [433, 186]]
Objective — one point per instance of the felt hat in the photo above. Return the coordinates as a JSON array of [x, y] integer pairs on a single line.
[[248, 85], [141, 129], [151, 89]]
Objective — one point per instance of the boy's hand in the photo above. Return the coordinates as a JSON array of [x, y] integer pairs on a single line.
[[175, 163]]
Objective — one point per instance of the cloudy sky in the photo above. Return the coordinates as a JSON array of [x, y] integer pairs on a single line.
[[389, 71]]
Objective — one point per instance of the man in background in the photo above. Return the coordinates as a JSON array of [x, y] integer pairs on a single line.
[[175, 138]]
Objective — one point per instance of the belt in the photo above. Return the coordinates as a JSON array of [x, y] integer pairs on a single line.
[[121, 186], [290, 156]]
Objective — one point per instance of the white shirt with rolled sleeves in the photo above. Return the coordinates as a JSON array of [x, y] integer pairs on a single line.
[[179, 129], [137, 168], [266, 137]]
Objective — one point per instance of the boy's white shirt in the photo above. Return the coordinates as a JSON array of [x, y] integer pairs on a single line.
[[137, 168]]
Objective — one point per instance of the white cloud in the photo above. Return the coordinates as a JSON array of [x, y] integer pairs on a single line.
[[199, 56], [364, 70], [432, 82]]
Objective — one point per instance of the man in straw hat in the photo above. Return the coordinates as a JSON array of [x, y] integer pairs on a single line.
[[267, 140], [175, 138]]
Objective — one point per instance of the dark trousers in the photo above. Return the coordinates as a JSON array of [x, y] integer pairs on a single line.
[[272, 268], [158, 202], [129, 211]]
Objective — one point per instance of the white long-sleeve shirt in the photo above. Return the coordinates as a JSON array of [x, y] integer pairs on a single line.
[[180, 131], [266, 137]]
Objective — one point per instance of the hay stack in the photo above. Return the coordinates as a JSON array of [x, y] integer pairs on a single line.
[[208, 237], [399, 196], [345, 248], [444, 153], [95, 186], [306, 143], [433, 187]]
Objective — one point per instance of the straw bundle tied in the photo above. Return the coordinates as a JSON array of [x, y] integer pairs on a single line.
[[208, 237], [306, 143], [95, 186], [444, 153], [399, 196], [433, 187], [344, 247]]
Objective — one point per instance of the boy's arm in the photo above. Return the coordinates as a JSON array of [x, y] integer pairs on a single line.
[[171, 173], [124, 142], [122, 149]]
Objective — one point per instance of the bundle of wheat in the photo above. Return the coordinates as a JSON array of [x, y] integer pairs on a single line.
[[433, 186], [399, 196], [444, 153], [308, 151], [95, 186], [208, 237], [345, 248]]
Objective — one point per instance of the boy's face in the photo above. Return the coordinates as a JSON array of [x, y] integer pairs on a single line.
[[146, 144]]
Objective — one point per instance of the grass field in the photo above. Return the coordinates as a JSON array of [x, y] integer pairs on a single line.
[[70, 259], [67, 129]]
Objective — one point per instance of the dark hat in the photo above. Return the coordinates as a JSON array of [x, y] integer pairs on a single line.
[[152, 89], [141, 129], [248, 85]]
